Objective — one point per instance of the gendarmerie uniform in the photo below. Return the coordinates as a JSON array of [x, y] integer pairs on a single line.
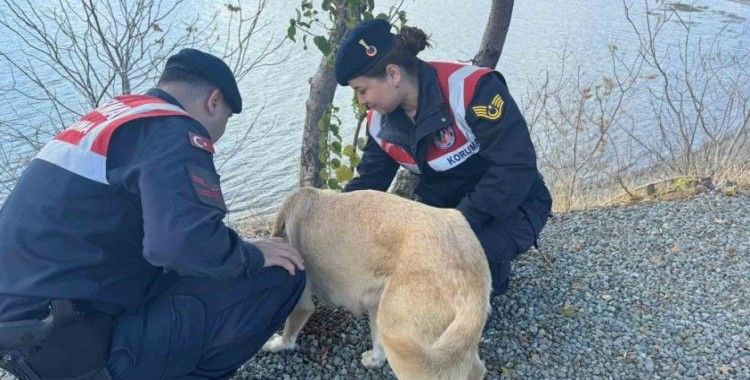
[[122, 213], [469, 144]]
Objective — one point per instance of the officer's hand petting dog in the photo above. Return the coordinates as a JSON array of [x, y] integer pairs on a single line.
[[276, 251]]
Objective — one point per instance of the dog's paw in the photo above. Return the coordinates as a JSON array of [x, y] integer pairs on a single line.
[[373, 358], [277, 343]]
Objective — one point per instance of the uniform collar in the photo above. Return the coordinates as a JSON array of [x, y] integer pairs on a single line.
[[432, 114], [165, 96], [430, 97]]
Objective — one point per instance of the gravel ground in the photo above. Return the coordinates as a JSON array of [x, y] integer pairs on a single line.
[[653, 290]]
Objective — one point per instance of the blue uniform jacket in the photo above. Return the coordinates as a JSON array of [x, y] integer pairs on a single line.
[[65, 236], [489, 186]]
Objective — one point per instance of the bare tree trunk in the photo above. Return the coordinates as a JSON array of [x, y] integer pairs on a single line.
[[488, 55], [322, 89], [494, 34]]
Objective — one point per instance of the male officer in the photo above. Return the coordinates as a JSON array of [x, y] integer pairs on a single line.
[[115, 231]]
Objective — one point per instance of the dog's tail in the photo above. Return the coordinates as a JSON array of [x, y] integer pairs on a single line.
[[464, 332], [453, 355]]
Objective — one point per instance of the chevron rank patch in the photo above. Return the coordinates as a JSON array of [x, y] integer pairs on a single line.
[[206, 187], [492, 111]]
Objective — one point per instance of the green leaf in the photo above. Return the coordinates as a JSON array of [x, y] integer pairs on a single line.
[[334, 129], [336, 147], [335, 163], [344, 173], [322, 44], [348, 150], [291, 30], [333, 183], [354, 160], [324, 174], [322, 156], [326, 6], [324, 122]]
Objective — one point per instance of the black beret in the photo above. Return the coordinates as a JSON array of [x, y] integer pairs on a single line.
[[362, 48], [213, 69]]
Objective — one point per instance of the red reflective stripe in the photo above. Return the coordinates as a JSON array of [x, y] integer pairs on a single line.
[[470, 84], [138, 100], [368, 119], [444, 71], [73, 135], [70, 136], [101, 143], [397, 153]]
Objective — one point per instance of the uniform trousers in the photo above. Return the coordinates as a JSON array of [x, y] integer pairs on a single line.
[[198, 328]]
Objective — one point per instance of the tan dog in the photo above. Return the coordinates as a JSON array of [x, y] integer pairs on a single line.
[[418, 271]]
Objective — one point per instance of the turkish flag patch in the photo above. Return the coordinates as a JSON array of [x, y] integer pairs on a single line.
[[201, 142], [206, 186]]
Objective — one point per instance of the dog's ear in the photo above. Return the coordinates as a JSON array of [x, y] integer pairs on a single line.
[[287, 210], [278, 228]]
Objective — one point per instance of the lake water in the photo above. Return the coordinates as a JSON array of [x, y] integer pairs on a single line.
[[256, 178]]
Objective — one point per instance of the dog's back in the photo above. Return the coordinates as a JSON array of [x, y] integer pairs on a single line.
[[421, 266]]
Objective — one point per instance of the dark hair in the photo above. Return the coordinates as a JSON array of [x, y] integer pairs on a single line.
[[179, 75], [407, 44]]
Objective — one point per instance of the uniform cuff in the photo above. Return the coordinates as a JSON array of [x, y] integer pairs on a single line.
[[253, 258]]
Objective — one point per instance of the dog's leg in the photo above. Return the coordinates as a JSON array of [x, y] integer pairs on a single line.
[[375, 357], [293, 325]]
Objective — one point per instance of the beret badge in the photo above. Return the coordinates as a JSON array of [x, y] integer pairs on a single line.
[[370, 50]]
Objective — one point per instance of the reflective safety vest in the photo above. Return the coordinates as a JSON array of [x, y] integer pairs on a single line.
[[82, 148], [453, 145]]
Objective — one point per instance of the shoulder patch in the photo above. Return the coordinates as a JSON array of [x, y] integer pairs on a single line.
[[201, 142], [492, 111], [206, 187]]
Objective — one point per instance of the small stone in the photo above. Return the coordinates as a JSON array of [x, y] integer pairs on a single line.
[[568, 311], [725, 369]]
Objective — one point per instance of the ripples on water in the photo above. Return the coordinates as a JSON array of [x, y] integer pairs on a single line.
[[257, 178]]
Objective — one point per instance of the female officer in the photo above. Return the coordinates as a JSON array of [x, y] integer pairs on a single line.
[[454, 125]]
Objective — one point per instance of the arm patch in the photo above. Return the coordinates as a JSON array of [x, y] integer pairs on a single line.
[[206, 187], [201, 142], [493, 111]]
